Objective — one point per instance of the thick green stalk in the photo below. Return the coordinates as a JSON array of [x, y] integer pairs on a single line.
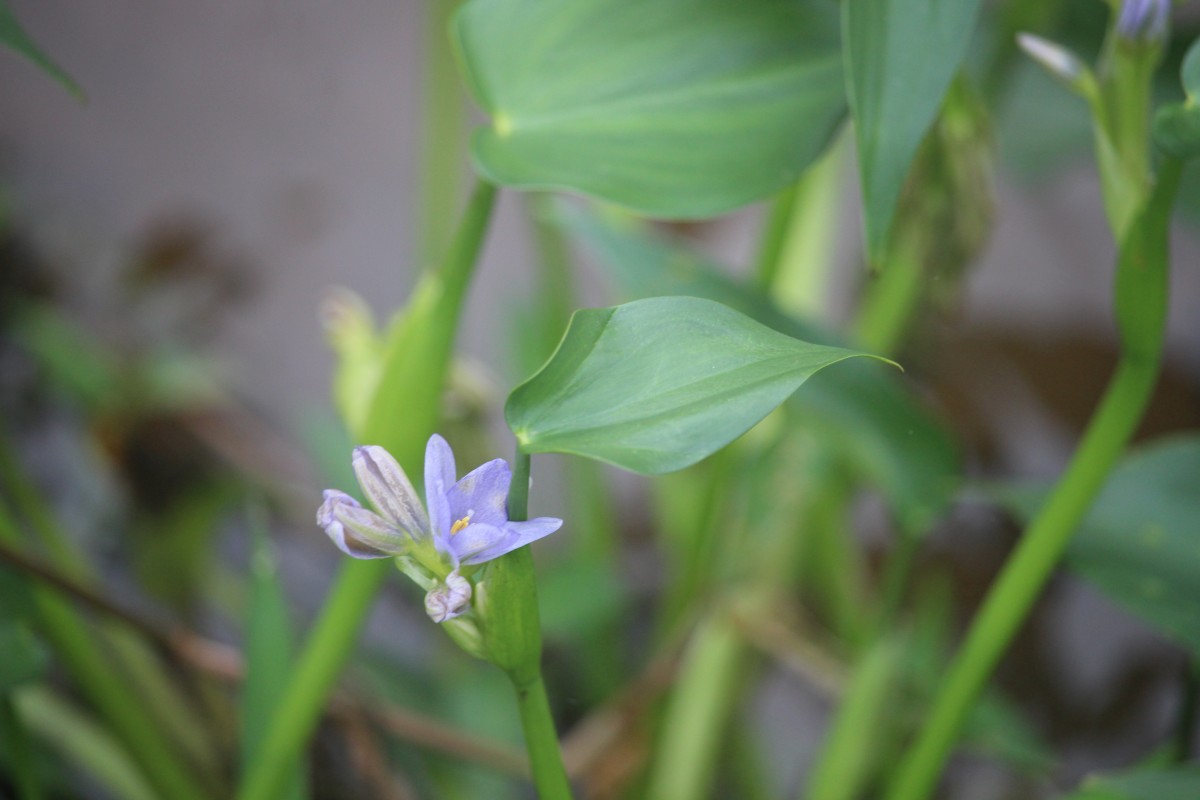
[[541, 740], [104, 687], [354, 590], [1141, 305], [443, 133]]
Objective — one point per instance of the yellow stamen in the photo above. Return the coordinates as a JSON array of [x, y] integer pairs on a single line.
[[460, 524]]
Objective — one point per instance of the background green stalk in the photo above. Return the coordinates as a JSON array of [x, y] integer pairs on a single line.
[[698, 711], [852, 746], [798, 239], [21, 754], [166, 707], [83, 742], [935, 233], [342, 616], [1141, 305], [443, 133], [794, 259], [104, 686]]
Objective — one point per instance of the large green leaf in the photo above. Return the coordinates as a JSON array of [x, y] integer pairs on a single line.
[[674, 108], [1139, 542], [900, 56], [13, 36], [1180, 783], [656, 385], [873, 418]]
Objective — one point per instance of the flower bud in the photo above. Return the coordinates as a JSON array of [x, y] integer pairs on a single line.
[[1055, 59], [450, 599], [1143, 21], [357, 531]]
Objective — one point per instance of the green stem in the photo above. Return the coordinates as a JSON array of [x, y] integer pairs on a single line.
[[518, 490], [1141, 289], [354, 590], [541, 740], [105, 687], [1025, 574]]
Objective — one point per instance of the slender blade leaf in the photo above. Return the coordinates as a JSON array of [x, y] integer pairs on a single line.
[[269, 650], [900, 56], [1180, 783], [13, 36]]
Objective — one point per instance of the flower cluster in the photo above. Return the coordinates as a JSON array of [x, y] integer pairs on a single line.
[[466, 523]]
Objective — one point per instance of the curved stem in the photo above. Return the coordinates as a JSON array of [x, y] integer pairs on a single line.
[[1141, 288]]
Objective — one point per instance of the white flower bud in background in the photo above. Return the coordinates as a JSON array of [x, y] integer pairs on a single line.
[[1058, 61]]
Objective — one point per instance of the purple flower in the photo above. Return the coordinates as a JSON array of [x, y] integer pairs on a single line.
[[467, 521]]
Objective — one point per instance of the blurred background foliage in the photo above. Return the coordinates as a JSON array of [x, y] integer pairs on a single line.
[[156, 539]]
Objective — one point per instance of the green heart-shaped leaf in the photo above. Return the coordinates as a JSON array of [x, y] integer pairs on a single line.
[[656, 385], [870, 415], [675, 108]]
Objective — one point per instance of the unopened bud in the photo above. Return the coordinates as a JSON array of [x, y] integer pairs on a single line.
[[1058, 61], [450, 599], [1143, 21]]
